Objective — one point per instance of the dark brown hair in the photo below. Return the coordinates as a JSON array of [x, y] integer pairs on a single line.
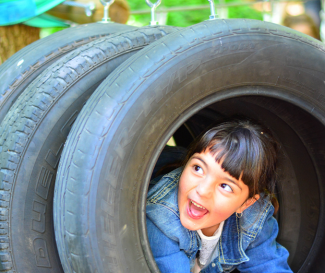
[[246, 149]]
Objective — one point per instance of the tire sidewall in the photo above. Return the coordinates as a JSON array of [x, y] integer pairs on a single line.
[[32, 200]]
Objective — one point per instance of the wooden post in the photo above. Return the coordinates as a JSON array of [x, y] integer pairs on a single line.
[[15, 37]]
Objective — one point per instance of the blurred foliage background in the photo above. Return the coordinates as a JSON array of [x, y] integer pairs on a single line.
[[302, 15], [187, 18], [140, 12]]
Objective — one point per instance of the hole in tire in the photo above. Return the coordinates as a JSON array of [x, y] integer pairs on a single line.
[[300, 168]]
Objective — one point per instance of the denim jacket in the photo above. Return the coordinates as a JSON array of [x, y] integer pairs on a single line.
[[247, 243]]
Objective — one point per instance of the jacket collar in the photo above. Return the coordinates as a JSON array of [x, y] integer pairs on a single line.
[[162, 210], [230, 244]]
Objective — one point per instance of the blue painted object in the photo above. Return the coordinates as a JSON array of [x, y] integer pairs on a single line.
[[18, 11]]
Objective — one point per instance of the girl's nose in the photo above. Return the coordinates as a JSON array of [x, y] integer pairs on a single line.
[[204, 188]]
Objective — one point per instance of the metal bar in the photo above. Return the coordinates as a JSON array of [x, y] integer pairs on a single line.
[[213, 15], [89, 7], [153, 7], [106, 4]]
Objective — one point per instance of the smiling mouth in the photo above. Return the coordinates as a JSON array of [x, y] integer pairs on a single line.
[[195, 210], [197, 205]]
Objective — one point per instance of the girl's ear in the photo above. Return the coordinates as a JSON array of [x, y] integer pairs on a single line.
[[248, 203]]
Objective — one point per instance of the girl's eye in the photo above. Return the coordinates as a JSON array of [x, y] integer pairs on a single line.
[[226, 187], [198, 169]]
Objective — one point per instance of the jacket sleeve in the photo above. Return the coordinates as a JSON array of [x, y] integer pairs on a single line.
[[264, 253], [168, 256]]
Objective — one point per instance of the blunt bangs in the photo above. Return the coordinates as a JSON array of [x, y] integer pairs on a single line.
[[246, 150]]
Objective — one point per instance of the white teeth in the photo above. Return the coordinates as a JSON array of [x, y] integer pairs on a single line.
[[197, 205]]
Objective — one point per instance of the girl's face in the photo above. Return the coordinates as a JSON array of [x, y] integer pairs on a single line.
[[208, 195]]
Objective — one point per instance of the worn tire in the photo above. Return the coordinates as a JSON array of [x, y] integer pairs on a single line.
[[33, 134], [227, 67], [23, 67]]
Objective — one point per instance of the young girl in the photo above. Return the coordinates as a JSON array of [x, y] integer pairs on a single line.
[[215, 213]]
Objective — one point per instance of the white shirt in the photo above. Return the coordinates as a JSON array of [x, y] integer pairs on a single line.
[[208, 245]]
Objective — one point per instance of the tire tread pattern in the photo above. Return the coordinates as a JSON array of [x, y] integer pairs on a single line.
[[18, 70], [32, 105]]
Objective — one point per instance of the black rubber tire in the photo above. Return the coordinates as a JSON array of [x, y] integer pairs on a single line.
[[24, 66], [254, 68], [33, 134]]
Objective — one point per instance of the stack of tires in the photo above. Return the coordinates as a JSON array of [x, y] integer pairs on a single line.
[[86, 112]]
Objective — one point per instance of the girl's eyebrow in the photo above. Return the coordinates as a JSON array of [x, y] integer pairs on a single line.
[[205, 164], [232, 181]]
